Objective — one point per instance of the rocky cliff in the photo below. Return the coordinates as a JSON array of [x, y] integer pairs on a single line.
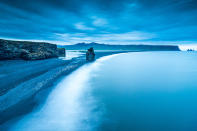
[[28, 50]]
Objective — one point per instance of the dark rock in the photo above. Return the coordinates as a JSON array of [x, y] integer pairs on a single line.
[[90, 55], [190, 50], [61, 52], [27, 50]]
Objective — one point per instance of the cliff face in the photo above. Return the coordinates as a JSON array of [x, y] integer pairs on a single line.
[[27, 50]]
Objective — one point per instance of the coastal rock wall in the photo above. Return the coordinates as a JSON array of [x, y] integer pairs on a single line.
[[27, 50]]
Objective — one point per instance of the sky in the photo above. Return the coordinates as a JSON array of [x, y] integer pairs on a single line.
[[103, 21]]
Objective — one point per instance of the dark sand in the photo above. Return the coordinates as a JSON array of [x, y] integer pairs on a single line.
[[22, 80]]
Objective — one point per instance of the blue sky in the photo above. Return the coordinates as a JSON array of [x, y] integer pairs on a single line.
[[103, 21]]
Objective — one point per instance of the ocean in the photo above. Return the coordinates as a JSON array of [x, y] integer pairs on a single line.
[[137, 91]]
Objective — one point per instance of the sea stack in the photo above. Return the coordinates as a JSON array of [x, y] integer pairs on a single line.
[[90, 55]]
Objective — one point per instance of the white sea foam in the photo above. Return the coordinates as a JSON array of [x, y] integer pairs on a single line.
[[69, 106]]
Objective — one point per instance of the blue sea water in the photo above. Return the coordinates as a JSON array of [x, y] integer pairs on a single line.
[[138, 91]]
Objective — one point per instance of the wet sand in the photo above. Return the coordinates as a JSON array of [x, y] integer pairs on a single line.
[[22, 80]]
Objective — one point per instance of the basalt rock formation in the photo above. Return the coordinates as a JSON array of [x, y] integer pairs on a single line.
[[90, 55], [61, 52], [28, 50]]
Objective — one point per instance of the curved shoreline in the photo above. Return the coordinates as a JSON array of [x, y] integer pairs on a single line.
[[64, 103], [19, 99]]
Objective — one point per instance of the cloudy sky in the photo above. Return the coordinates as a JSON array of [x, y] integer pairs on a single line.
[[103, 21]]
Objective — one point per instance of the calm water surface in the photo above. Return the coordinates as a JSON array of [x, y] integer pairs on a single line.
[[144, 91]]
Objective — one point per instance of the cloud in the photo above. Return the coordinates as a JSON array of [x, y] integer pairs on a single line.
[[82, 26], [110, 21], [99, 21], [105, 38]]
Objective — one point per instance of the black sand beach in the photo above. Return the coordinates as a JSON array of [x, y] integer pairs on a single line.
[[22, 80]]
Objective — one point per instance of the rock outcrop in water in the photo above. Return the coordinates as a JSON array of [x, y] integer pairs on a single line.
[[28, 50], [90, 55], [61, 52]]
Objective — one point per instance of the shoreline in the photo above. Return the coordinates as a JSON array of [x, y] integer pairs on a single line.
[[19, 98]]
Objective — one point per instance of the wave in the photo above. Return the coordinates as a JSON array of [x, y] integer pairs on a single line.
[[69, 107]]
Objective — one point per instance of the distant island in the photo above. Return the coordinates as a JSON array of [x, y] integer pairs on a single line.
[[97, 46], [190, 50]]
